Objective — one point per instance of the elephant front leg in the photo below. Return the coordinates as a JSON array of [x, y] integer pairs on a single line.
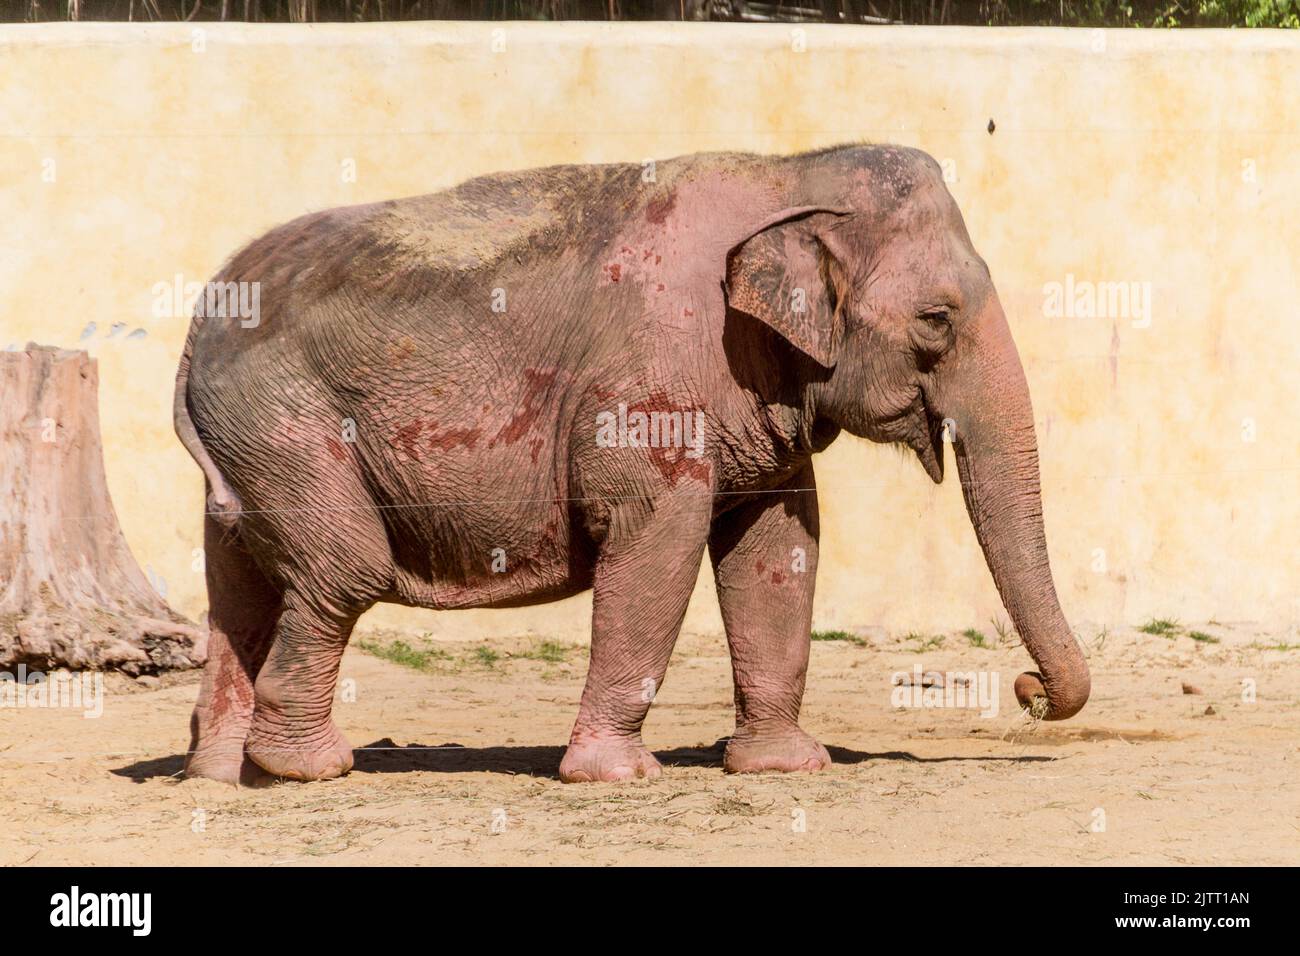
[[646, 571], [765, 563]]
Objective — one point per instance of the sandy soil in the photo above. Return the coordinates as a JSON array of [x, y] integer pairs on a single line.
[[457, 761]]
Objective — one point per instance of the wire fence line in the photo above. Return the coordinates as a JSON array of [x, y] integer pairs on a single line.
[[591, 499]]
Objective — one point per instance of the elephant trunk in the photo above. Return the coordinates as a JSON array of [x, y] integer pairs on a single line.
[[987, 398]]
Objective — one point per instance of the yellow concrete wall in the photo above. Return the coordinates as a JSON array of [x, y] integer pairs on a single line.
[[1133, 156]]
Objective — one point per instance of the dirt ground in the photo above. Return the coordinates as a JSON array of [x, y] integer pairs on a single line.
[[458, 747]]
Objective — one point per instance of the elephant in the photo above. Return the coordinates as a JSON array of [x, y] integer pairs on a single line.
[[584, 377]]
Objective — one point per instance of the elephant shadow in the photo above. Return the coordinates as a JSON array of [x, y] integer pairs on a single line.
[[386, 756]]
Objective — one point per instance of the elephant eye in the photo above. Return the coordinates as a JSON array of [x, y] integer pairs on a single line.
[[932, 335]]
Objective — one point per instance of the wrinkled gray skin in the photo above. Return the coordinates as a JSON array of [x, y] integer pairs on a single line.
[[470, 340]]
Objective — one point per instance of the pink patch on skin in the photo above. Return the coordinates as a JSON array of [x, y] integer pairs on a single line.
[[406, 437], [517, 427], [534, 448], [675, 469], [777, 577], [615, 271], [452, 437], [657, 211], [672, 463], [336, 449], [759, 566], [231, 678]]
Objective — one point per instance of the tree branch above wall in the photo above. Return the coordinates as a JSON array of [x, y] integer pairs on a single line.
[[1080, 13]]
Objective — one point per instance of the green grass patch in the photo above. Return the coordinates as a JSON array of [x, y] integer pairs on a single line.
[[486, 656], [1202, 637], [400, 652], [925, 642], [1274, 647], [1161, 627], [552, 652], [975, 638], [838, 636]]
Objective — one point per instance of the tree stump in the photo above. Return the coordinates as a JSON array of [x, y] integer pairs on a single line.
[[71, 594]]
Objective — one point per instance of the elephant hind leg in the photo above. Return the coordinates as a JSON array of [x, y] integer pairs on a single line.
[[293, 734], [311, 518], [243, 607]]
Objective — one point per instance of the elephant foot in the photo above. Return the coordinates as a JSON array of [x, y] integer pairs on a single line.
[[316, 758], [608, 759], [225, 763], [787, 750]]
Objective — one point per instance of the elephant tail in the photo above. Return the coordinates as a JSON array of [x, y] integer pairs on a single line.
[[222, 504]]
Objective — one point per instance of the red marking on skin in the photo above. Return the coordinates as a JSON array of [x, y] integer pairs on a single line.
[[777, 577], [658, 210], [230, 692], [615, 271], [604, 394], [673, 463], [336, 449], [658, 259], [759, 566], [553, 541], [676, 468], [660, 287], [628, 251], [688, 313], [528, 557], [452, 437], [534, 448], [515, 429], [406, 437]]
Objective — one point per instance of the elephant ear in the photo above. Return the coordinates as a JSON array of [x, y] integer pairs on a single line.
[[786, 277]]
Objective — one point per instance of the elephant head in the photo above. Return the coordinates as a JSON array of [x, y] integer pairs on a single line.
[[869, 271]]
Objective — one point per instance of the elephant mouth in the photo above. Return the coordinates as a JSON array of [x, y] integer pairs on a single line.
[[928, 443], [913, 426]]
